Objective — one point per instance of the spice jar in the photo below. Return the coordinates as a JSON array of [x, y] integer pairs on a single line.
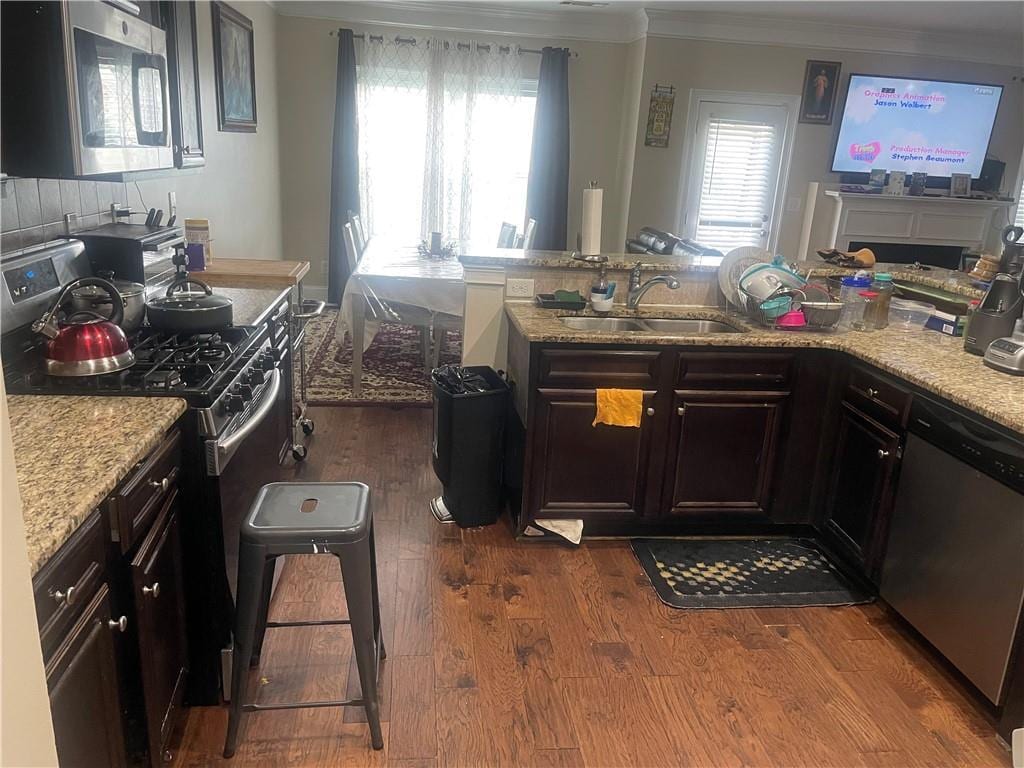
[[883, 286], [870, 307]]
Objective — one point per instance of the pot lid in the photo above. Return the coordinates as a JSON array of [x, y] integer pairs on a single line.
[[126, 288], [180, 297]]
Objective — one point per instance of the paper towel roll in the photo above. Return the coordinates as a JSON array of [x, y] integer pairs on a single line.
[[591, 241]]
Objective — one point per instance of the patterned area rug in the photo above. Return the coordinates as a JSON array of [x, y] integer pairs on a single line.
[[392, 367], [743, 573]]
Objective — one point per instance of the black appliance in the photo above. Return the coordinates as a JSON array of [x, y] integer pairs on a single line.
[[470, 411], [141, 253], [84, 89], [994, 318], [236, 430], [991, 178]]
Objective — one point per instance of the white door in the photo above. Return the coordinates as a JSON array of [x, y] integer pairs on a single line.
[[735, 171]]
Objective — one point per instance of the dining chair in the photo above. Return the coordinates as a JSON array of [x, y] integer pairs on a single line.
[[352, 250], [357, 230], [529, 232], [507, 235]]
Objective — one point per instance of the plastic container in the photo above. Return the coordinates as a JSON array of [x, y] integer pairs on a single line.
[[849, 295], [907, 315], [883, 286], [469, 442]]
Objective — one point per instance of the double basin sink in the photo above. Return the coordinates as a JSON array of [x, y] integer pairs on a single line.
[[673, 325]]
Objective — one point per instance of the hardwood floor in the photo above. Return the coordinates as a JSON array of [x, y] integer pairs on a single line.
[[503, 654]]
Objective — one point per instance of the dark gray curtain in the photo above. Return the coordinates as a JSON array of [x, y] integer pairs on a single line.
[[547, 192], [344, 165]]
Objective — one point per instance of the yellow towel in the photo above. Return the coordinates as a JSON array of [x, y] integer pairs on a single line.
[[619, 407]]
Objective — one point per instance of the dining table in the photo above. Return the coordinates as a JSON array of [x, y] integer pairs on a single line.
[[392, 274]]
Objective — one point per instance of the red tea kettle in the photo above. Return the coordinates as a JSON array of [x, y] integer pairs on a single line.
[[85, 343]]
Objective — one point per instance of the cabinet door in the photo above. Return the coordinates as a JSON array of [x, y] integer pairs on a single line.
[[721, 455], [183, 69], [581, 470], [84, 700], [860, 487], [160, 612]]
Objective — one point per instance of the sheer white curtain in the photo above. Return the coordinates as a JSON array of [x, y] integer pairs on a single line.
[[445, 134]]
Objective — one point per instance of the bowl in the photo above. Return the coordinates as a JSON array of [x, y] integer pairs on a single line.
[[763, 280], [792, 319], [822, 314], [907, 315], [774, 308]]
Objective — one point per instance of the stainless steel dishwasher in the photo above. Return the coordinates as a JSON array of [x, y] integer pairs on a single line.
[[954, 567]]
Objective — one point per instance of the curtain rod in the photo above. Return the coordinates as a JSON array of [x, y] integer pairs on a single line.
[[413, 41]]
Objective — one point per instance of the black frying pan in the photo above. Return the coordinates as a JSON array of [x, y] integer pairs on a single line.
[[181, 310]]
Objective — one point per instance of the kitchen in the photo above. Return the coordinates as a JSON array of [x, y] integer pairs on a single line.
[[504, 643]]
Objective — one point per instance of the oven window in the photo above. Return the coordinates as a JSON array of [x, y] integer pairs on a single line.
[[120, 93]]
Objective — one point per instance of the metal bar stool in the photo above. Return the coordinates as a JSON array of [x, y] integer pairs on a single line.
[[303, 518]]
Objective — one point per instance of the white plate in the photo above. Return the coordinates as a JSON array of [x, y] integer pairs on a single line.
[[734, 264]]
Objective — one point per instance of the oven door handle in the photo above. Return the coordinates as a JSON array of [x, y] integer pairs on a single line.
[[224, 449]]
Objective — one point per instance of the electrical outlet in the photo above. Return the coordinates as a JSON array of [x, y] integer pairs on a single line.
[[519, 287]]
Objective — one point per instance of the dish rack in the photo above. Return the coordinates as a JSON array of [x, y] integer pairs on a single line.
[[766, 312]]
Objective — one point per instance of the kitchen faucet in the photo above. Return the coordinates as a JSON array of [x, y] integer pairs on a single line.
[[637, 290]]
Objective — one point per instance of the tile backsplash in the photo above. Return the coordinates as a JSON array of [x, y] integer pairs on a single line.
[[33, 210]]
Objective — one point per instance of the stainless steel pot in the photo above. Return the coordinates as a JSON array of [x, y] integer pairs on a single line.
[[90, 298]]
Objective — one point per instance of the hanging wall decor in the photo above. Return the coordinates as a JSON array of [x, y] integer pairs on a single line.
[[821, 83], [659, 118], [234, 61]]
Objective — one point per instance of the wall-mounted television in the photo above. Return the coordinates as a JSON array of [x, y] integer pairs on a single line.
[[915, 125]]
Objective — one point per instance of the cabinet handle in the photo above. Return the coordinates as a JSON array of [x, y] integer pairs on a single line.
[[163, 484], [882, 453], [153, 591], [681, 410], [119, 625], [650, 411], [872, 393], [67, 597]]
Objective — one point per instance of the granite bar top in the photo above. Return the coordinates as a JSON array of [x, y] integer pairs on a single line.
[[930, 360], [70, 452], [252, 306], [513, 257]]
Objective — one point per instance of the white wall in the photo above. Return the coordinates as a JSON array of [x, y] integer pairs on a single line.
[[26, 731], [239, 188], [307, 65], [703, 64]]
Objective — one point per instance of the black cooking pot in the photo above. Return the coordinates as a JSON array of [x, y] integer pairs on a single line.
[[181, 310]]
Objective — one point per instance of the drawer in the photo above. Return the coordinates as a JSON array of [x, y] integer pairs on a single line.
[[135, 503], [762, 371], [586, 369], [67, 582], [877, 396]]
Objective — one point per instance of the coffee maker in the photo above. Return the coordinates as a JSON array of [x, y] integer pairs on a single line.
[[994, 318]]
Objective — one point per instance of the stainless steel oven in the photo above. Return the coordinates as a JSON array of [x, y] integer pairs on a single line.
[[92, 95]]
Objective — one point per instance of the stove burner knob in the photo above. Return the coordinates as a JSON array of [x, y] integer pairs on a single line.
[[266, 361], [255, 376], [233, 403], [244, 391]]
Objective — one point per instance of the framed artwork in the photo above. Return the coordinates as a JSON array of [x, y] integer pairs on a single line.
[[659, 118], [960, 185], [821, 84], [234, 63]]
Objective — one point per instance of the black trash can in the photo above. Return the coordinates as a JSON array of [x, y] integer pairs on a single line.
[[470, 408]]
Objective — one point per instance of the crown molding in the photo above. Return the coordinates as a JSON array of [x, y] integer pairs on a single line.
[[576, 24], [733, 28]]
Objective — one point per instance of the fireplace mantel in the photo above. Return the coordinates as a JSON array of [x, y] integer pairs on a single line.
[[918, 220]]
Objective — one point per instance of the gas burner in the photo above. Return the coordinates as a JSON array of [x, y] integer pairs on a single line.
[[163, 379]]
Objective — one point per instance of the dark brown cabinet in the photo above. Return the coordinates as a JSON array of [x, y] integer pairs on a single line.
[[160, 616], [84, 696], [721, 454], [186, 106], [582, 470], [861, 486]]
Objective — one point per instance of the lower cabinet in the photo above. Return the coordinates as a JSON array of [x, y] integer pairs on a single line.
[[861, 488], [721, 453], [84, 693], [586, 470]]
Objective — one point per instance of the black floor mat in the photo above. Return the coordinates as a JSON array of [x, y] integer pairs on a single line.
[[743, 573]]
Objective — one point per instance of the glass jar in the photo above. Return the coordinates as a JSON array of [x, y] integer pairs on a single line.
[[883, 286], [870, 308]]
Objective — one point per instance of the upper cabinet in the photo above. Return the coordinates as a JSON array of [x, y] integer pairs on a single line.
[[186, 105]]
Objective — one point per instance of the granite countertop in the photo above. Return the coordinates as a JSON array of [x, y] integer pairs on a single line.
[[649, 262], [252, 305], [930, 360], [70, 452]]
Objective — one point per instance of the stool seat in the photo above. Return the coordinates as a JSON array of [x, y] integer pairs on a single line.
[[300, 513]]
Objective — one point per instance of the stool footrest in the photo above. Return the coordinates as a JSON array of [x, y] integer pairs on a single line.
[[327, 623], [303, 705]]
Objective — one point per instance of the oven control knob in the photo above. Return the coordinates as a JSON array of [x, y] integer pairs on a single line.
[[254, 376], [266, 361], [244, 391], [233, 403]]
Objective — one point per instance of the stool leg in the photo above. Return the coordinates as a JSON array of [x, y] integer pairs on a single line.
[[378, 632], [355, 570], [252, 562], [261, 617]]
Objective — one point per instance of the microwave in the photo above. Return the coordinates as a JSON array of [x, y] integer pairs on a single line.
[[83, 90]]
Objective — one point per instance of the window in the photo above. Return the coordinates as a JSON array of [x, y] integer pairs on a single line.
[[445, 132], [735, 174]]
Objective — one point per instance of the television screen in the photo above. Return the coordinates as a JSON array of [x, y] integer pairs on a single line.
[[929, 126]]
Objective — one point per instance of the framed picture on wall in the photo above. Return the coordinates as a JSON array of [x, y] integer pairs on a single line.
[[234, 63], [821, 83]]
